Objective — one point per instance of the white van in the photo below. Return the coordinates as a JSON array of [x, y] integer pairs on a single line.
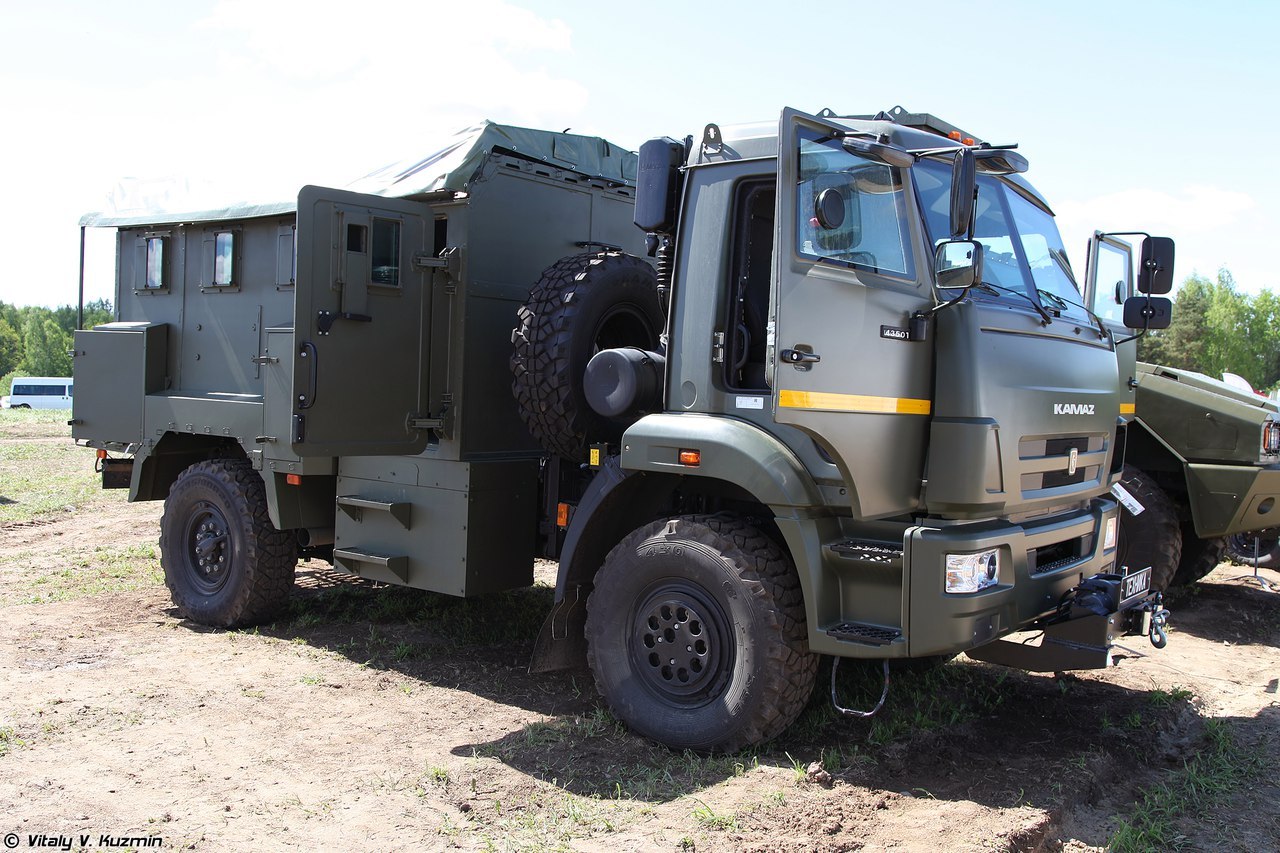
[[40, 392]]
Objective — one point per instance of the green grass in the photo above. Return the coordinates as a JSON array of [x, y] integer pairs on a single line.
[[9, 740], [1213, 774], [38, 476], [89, 573], [490, 620]]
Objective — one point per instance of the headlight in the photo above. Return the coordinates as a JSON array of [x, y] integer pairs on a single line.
[[1109, 534], [1271, 438], [973, 572]]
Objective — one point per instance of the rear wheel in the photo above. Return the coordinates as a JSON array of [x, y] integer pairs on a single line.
[[1152, 537], [224, 562], [1240, 548], [696, 634]]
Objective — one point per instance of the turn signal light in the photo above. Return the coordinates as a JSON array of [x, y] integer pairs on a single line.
[[1270, 437], [692, 458], [293, 479], [102, 454], [562, 515]]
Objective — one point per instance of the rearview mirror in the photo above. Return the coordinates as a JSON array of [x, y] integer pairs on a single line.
[[658, 183], [963, 186], [957, 264], [1147, 312], [1155, 269]]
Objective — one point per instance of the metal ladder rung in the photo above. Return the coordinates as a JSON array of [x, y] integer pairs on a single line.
[[353, 504], [351, 558]]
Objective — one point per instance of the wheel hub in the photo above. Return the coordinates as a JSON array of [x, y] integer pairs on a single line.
[[678, 647], [208, 547]]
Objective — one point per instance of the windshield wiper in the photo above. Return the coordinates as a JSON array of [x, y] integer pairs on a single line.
[[1063, 303], [995, 288]]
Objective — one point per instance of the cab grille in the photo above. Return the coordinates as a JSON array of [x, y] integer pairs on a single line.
[[1046, 462]]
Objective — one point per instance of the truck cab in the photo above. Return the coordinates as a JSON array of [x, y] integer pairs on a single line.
[[920, 411]]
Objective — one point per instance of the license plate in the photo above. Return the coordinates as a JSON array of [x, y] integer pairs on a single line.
[[1134, 584]]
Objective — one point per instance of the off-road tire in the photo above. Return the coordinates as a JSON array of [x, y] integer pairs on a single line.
[[725, 600], [581, 305], [225, 563], [1239, 548], [1199, 556], [1154, 536]]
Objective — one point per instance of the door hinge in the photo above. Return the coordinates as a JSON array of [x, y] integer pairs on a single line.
[[264, 359], [717, 348], [426, 423]]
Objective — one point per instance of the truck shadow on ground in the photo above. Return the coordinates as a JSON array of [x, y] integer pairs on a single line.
[[964, 731], [1235, 609]]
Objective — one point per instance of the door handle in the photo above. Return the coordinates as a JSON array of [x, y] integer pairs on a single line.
[[800, 358]]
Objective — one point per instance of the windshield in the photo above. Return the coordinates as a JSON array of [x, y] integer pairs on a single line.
[[1022, 250]]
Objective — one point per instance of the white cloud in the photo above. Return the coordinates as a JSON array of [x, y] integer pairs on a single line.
[[279, 93]]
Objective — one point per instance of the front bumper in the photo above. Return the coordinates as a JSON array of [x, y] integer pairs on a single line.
[[1082, 634], [1041, 562], [1228, 499]]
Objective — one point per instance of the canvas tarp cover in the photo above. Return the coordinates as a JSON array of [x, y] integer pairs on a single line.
[[449, 169]]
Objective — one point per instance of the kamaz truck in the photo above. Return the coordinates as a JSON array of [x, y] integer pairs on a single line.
[[836, 395]]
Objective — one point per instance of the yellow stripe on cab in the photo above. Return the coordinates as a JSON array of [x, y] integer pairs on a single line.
[[853, 403]]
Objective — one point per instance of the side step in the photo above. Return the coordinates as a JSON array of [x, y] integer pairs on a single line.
[[865, 633], [351, 559], [354, 506]]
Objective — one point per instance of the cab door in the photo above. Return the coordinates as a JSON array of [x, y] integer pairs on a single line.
[[1108, 283], [361, 321], [847, 277]]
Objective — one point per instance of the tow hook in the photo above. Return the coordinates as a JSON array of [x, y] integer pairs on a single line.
[[1157, 633]]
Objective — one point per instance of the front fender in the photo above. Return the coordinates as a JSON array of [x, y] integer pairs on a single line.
[[731, 450]]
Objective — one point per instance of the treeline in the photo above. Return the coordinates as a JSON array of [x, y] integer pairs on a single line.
[[36, 341], [1215, 328]]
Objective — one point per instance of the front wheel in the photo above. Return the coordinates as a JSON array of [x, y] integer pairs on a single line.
[[225, 563], [696, 634]]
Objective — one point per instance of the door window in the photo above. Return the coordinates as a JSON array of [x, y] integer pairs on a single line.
[[850, 210]]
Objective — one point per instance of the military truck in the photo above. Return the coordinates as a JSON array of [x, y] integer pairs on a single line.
[[1202, 457], [852, 406]]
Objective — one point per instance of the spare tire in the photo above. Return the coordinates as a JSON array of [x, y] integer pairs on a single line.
[[582, 304]]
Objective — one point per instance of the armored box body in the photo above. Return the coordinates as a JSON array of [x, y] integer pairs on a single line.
[[358, 340]]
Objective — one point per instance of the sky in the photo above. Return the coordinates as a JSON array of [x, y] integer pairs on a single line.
[[1134, 116]]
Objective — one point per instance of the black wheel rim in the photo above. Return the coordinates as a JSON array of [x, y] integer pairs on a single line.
[[1242, 543], [680, 644], [209, 548]]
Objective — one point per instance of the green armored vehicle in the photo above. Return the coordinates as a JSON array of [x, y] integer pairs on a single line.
[[1202, 458], [850, 407]]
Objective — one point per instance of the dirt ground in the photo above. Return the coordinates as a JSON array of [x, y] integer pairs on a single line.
[[384, 719]]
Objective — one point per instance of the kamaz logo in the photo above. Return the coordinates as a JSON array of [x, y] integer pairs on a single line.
[[1073, 408]]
